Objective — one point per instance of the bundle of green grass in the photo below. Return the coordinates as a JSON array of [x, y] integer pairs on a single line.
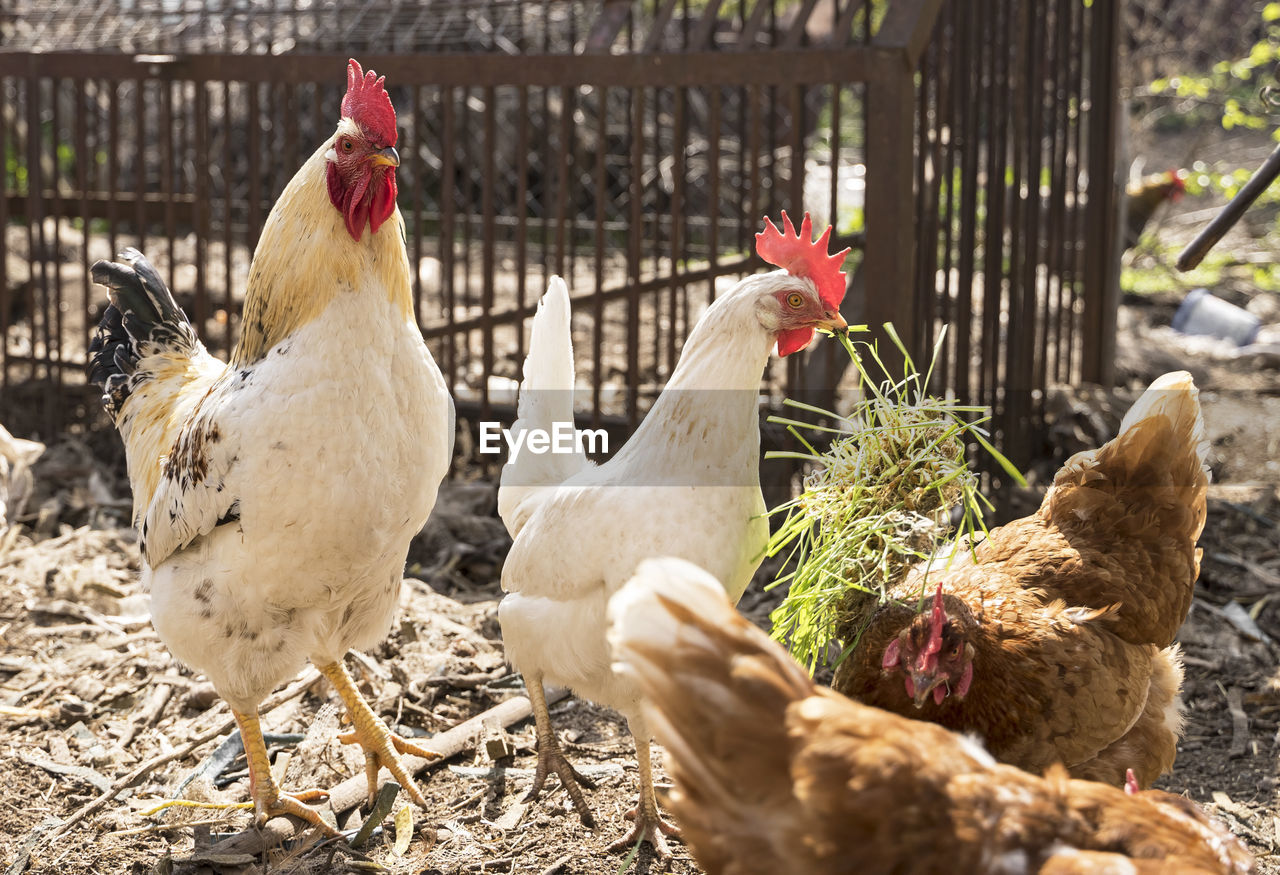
[[882, 496]]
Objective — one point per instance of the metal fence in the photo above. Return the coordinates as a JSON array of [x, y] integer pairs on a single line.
[[965, 148]]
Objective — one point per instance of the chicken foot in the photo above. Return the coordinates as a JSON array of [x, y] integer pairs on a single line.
[[268, 801], [650, 825], [551, 758], [381, 746]]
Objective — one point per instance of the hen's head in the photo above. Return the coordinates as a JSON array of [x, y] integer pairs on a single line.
[[933, 652], [362, 161], [810, 297]]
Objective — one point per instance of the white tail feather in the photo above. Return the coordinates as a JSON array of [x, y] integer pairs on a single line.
[[546, 397], [546, 389]]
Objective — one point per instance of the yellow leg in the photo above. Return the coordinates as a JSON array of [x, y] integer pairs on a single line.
[[550, 757], [268, 801], [650, 825], [382, 748]]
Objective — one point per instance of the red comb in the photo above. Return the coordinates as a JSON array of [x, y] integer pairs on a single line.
[[937, 619], [799, 257], [368, 104], [1130, 782]]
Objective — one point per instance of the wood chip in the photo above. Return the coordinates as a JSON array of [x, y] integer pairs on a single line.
[[511, 818], [89, 776], [496, 742]]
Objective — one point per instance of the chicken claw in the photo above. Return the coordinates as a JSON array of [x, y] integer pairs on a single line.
[[268, 801], [381, 746], [650, 825], [551, 758]]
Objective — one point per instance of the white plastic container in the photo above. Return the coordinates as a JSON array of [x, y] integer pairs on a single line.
[[1202, 313]]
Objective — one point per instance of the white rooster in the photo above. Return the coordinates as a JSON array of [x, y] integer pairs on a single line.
[[276, 495], [686, 484]]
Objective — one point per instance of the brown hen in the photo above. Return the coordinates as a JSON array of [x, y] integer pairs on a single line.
[[1052, 639], [776, 775]]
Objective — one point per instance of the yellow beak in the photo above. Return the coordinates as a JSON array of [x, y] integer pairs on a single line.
[[833, 322], [388, 156]]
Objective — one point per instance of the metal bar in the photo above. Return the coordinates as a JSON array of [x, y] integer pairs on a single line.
[[228, 215], [447, 210], [83, 151], [597, 296], [36, 244], [947, 115], [1051, 315], [5, 280], [417, 150], [202, 194], [522, 208], [678, 242], [255, 165], [635, 197], [487, 239], [562, 174], [741, 264], [993, 234], [1102, 274], [139, 162], [812, 65], [113, 161], [891, 229], [713, 187], [969, 81], [919, 335], [54, 348]]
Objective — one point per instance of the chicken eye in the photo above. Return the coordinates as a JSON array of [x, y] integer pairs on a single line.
[[347, 145], [955, 651], [795, 300]]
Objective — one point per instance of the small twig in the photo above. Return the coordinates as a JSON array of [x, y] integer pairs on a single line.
[[557, 865], [474, 797], [161, 827], [1196, 250], [482, 865]]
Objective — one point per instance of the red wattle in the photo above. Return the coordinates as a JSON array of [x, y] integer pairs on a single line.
[[793, 339], [384, 202]]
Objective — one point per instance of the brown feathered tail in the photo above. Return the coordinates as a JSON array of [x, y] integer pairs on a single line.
[[1138, 502], [724, 688]]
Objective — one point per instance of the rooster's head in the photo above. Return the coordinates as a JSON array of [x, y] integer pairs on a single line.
[[812, 301], [362, 158], [933, 652]]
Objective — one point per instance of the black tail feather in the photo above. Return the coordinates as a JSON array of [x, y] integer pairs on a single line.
[[143, 318]]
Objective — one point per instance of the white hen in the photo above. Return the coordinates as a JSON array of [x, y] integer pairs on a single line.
[[686, 484]]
